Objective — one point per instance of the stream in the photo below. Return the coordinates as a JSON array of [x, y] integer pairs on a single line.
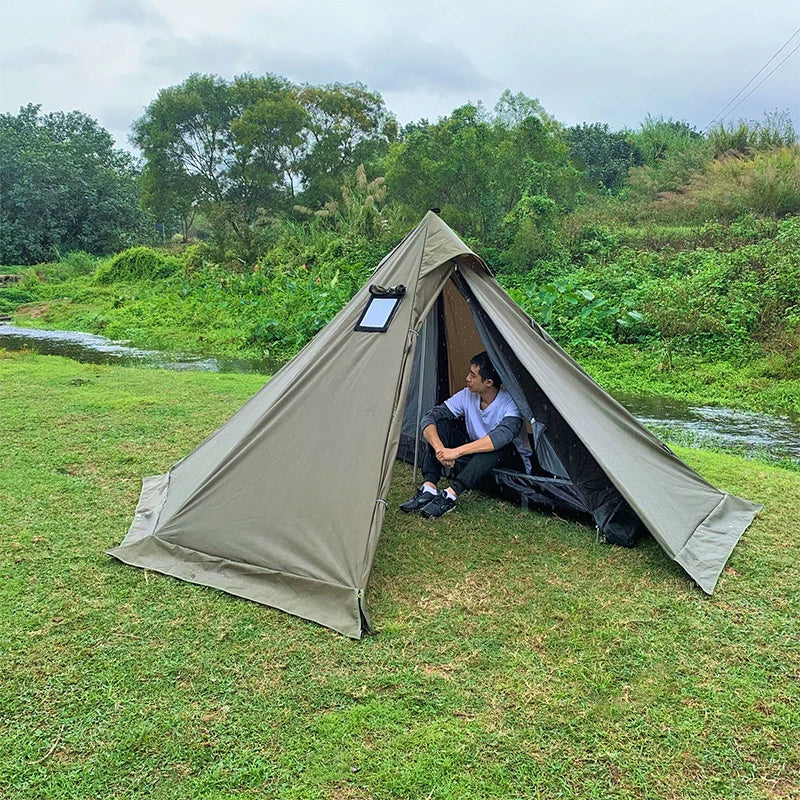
[[775, 437]]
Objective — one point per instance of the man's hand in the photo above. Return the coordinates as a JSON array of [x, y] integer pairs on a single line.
[[446, 456]]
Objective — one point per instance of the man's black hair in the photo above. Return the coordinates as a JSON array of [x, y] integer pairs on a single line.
[[486, 368]]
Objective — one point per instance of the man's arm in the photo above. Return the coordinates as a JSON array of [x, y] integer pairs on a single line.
[[431, 434], [503, 433]]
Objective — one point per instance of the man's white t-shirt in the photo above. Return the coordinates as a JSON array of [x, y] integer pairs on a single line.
[[478, 421]]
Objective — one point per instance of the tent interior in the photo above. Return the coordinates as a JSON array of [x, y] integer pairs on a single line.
[[559, 472]]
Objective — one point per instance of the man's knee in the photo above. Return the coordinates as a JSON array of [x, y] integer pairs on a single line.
[[452, 432]]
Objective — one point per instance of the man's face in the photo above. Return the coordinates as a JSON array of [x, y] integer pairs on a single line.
[[474, 381]]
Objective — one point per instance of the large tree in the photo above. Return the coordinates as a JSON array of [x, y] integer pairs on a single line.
[[604, 155], [244, 149], [64, 187], [346, 125], [487, 172]]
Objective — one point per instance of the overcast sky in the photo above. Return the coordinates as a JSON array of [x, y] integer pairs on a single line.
[[611, 61]]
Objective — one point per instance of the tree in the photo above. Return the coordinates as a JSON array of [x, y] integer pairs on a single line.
[[448, 165], [493, 176], [347, 125], [247, 150], [185, 136], [604, 156], [65, 187]]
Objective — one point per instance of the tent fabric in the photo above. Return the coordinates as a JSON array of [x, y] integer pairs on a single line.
[[285, 502], [672, 500]]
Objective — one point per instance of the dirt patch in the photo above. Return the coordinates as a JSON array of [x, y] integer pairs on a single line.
[[474, 594], [347, 792], [780, 789], [35, 310]]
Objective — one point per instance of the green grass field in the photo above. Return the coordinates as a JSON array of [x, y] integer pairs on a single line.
[[516, 657]]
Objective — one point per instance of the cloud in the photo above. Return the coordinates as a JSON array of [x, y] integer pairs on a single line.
[[411, 64], [138, 13], [179, 55], [405, 63], [34, 56]]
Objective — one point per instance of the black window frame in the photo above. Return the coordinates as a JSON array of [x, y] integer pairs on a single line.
[[395, 293]]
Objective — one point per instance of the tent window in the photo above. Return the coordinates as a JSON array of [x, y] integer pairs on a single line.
[[380, 309]]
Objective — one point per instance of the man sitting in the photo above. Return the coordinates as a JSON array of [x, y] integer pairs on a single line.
[[481, 422]]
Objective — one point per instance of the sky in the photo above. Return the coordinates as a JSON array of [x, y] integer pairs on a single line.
[[612, 61]]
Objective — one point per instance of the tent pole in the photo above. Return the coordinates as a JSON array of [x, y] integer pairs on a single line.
[[419, 397]]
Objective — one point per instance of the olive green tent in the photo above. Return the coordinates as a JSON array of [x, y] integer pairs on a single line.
[[284, 503]]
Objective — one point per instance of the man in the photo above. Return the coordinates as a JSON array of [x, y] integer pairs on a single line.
[[481, 422]]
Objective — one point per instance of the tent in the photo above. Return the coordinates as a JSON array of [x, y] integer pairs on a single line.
[[284, 503]]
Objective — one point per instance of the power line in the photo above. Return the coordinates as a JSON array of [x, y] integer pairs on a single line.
[[710, 72], [733, 99], [765, 78]]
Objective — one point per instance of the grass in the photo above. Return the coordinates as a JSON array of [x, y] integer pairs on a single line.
[[752, 386], [516, 657]]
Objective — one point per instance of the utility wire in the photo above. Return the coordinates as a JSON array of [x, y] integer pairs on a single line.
[[719, 114], [710, 72], [765, 78]]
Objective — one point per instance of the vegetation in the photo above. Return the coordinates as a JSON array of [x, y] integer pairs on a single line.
[[515, 658], [243, 152], [64, 187], [282, 198]]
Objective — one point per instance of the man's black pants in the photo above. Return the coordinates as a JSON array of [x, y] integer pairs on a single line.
[[470, 470]]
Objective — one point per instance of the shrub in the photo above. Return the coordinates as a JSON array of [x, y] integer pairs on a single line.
[[777, 130], [731, 187], [11, 298], [137, 263], [195, 257]]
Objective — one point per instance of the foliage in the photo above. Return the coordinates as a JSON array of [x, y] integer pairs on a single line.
[[12, 297], [137, 263], [502, 180], [64, 187], [447, 165], [731, 187], [359, 212], [244, 151], [658, 138], [477, 168], [605, 156], [571, 314], [745, 138]]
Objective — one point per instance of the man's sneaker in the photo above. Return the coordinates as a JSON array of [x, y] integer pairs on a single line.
[[418, 501], [439, 506]]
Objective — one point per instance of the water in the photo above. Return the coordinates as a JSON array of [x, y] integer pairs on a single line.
[[90, 349], [772, 436], [775, 437]]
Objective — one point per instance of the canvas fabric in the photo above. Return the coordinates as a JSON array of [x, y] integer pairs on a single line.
[[285, 502]]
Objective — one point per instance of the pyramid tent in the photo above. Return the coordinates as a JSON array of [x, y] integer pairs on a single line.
[[285, 502]]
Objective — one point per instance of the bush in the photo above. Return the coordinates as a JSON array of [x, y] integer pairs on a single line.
[[196, 256], [744, 137], [11, 298], [137, 263], [79, 262]]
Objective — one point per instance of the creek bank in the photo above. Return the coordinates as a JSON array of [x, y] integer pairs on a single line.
[[89, 348], [773, 437]]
